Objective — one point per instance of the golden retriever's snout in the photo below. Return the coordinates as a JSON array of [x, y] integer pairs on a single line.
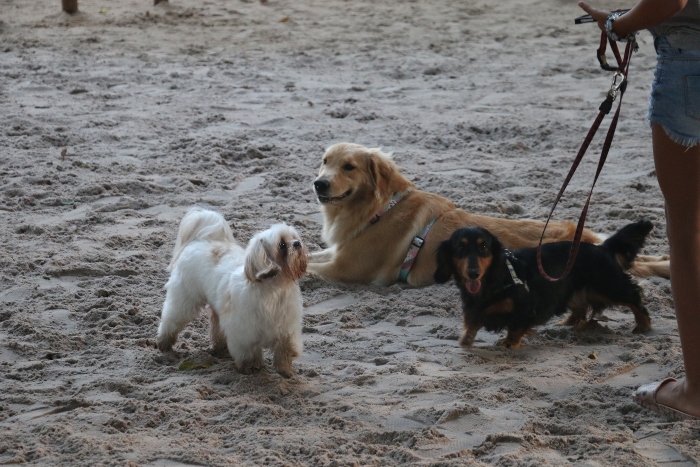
[[321, 186]]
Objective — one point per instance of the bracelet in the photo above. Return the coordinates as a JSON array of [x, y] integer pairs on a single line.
[[609, 29]]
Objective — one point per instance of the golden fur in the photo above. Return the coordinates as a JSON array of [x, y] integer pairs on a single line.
[[359, 181]]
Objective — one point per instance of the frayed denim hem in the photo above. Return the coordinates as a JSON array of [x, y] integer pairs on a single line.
[[683, 140], [674, 102]]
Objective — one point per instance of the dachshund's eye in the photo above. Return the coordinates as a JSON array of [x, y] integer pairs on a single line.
[[348, 167], [483, 249]]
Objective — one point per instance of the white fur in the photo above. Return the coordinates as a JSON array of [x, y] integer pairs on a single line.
[[255, 300]]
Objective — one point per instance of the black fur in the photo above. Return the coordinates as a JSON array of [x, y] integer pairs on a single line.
[[596, 281]]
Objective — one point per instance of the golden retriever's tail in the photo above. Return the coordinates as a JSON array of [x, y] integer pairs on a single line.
[[200, 225]]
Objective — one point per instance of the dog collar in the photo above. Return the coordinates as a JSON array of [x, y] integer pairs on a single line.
[[395, 198], [513, 275], [416, 245]]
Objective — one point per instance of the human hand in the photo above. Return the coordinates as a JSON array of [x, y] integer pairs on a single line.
[[600, 16]]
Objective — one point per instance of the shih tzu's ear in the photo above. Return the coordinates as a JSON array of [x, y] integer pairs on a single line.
[[443, 256], [259, 264]]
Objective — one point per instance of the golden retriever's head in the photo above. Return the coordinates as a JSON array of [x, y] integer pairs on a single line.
[[350, 172]]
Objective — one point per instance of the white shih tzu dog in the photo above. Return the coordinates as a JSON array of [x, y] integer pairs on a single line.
[[253, 294]]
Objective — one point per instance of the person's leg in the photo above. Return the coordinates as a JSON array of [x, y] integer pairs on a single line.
[[678, 172]]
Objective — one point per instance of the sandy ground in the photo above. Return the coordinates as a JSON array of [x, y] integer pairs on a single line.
[[113, 122]]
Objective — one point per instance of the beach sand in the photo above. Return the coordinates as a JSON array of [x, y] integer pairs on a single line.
[[116, 120]]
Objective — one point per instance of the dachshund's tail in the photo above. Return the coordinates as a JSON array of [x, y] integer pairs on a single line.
[[627, 242]]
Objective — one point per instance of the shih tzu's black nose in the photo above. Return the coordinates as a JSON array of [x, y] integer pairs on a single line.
[[296, 244], [321, 185]]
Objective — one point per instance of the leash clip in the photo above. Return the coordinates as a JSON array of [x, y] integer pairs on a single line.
[[617, 85]]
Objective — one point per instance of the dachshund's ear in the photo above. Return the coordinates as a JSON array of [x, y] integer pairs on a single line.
[[496, 248], [443, 257], [259, 264]]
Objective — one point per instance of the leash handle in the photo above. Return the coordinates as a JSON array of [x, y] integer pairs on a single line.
[[604, 109], [600, 53]]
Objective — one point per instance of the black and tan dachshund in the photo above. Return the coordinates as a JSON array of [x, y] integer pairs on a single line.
[[504, 290]]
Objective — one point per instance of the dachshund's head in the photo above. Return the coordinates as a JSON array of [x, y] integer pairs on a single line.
[[467, 255]]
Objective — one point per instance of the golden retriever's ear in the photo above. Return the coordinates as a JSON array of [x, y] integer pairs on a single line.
[[381, 170], [443, 256], [258, 263]]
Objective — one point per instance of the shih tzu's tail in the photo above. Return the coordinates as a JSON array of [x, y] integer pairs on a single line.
[[200, 224]]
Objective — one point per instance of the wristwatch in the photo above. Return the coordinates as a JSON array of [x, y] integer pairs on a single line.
[[609, 28]]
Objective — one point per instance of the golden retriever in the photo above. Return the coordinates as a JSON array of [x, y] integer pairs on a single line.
[[355, 183]]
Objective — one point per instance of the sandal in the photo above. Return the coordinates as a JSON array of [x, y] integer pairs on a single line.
[[646, 397]]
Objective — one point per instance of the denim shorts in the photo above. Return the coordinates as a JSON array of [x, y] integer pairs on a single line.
[[675, 93]]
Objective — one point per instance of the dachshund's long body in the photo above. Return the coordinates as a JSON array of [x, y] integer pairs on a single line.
[[496, 299]]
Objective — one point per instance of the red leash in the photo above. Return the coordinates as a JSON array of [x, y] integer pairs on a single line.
[[619, 86]]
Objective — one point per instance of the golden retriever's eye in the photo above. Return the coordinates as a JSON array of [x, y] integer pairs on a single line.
[[348, 167], [324, 161]]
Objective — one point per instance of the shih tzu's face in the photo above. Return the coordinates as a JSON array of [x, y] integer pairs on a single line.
[[276, 252]]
